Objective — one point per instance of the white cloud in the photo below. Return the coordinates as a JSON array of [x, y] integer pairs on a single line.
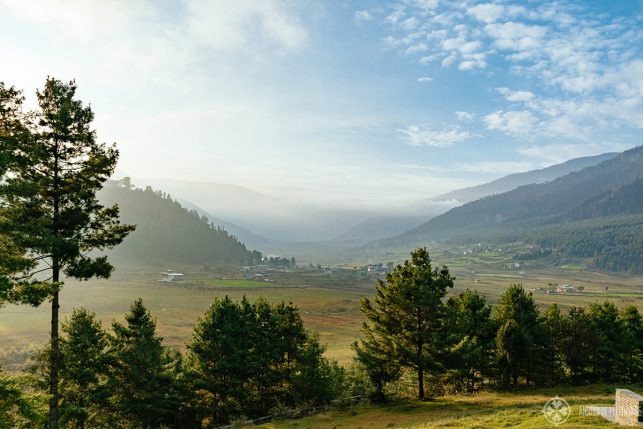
[[516, 96], [486, 12], [516, 36], [424, 136], [425, 79], [464, 116], [361, 16], [519, 123], [223, 25], [583, 69]]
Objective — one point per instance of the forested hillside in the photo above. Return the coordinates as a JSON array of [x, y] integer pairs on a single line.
[[166, 232], [595, 212], [626, 199]]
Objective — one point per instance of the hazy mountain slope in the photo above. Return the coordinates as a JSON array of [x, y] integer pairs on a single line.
[[244, 235], [532, 204], [516, 180], [375, 228], [166, 232], [278, 218]]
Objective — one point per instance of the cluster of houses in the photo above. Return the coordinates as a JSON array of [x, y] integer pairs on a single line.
[[258, 273], [558, 289]]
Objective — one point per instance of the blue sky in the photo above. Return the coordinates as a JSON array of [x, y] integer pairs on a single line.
[[348, 102]]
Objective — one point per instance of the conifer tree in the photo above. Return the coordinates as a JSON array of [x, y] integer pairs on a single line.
[[21, 406], [609, 338], [52, 169], [518, 318], [408, 311], [553, 325], [471, 333], [578, 343], [219, 359], [15, 286], [83, 370], [631, 323], [372, 354], [142, 388]]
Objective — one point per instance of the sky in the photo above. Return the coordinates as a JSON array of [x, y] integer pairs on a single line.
[[343, 102]]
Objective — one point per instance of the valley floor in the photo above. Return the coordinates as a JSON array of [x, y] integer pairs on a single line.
[[329, 299]]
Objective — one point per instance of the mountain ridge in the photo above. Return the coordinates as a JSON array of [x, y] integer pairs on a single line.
[[515, 180]]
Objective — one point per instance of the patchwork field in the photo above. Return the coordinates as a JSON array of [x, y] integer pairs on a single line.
[[328, 298]]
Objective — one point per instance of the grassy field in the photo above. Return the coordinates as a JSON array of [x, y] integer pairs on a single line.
[[522, 409], [328, 300]]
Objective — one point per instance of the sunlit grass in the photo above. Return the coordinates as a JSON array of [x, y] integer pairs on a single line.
[[522, 409]]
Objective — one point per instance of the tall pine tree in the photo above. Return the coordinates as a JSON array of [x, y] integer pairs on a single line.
[[53, 168], [408, 313]]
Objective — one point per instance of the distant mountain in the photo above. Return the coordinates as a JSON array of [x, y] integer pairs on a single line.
[[247, 237], [166, 232], [516, 180], [597, 211], [375, 228], [279, 218]]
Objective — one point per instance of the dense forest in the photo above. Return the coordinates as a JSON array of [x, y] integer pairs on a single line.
[[167, 232], [612, 243]]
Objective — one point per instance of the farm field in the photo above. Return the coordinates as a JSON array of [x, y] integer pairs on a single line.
[[522, 409], [328, 299]]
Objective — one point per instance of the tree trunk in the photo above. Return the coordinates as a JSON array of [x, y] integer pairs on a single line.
[[53, 368], [420, 382], [55, 305]]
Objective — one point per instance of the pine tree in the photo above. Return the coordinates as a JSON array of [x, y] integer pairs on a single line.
[[471, 333], [53, 168], [83, 370], [142, 388], [631, 323], [15, 286], [317, 379], [408, 311], [578, 343], [219, 359], [553, 325], [517, 344], [608, 354], [371, 353], [511, 346], [21, 406]]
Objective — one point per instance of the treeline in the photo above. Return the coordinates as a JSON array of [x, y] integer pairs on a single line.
[[279, 262], [464, 343], [613, 245], [242, 361], [166, 231]]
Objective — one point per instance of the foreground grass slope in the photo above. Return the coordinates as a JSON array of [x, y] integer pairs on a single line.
[[482, 410]]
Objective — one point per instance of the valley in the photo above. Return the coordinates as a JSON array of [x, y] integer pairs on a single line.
[[328, 297]]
